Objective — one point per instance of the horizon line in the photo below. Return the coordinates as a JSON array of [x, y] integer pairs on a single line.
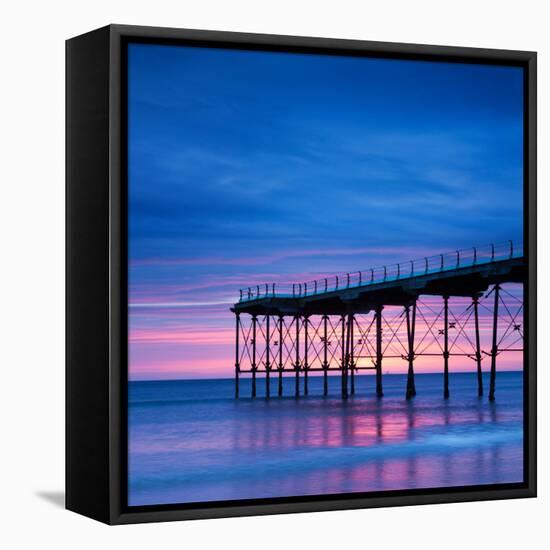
[[315, 376]]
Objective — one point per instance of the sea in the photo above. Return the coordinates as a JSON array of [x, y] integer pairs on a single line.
[[191, 441]]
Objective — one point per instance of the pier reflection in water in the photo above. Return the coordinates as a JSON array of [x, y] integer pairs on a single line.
[[192, 441]]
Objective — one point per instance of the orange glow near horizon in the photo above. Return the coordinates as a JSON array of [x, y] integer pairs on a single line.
[[199, 342]]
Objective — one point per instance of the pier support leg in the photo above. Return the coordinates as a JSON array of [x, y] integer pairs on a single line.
[[237, 359], [446, 347], [306, 344], [494, 347], [344, 358], [325, 355], [475, 301], [378, 315], [280, 366], [411, 323], [352, 354], [254, 323], [297, 358], [267, 357]]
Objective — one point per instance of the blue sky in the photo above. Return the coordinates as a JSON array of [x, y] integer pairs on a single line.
[[247, 167]]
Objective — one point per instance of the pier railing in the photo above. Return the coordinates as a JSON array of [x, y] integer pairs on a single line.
[[449, 261]]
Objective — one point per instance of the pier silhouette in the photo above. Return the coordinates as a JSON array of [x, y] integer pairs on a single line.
[[337, 324]]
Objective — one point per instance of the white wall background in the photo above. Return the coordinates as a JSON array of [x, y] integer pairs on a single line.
[[32, 272]]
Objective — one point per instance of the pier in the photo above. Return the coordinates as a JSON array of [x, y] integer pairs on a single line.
[[352, 322]]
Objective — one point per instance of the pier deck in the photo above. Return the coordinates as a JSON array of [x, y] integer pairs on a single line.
[[320, 325]]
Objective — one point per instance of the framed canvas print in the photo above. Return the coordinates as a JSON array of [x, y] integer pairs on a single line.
[[300, 274]]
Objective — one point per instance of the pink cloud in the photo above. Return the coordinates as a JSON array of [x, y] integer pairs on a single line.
[[396, 252]]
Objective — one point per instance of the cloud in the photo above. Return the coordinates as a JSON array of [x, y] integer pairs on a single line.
[[163, 305]]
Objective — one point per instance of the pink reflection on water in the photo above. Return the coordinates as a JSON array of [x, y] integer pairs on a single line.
[[189, 442]]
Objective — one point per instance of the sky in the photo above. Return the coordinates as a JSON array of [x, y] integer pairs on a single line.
[[248, 167]]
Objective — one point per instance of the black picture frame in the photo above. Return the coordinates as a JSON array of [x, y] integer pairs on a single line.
[[96, 279]]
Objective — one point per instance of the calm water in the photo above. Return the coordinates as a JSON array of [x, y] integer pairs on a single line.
[[192, 441]]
